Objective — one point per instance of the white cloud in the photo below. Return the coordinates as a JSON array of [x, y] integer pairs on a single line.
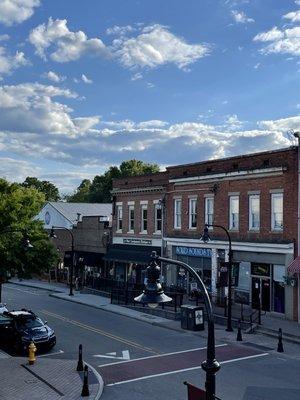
[[233, 123], [282, 125], [241, 17], [16, 11], [293, 16], [4, 37], [67, 45], [8, 63], [54, 77], [85, 79], [15, 170], [137, 76], [155, 46], [120, 30], [273, 34]]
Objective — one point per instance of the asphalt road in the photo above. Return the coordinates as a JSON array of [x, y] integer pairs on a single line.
[[141, 361]]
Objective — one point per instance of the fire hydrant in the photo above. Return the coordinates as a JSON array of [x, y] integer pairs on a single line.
[[31, 355]]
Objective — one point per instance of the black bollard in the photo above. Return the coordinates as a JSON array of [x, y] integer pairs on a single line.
[[280, 345], [239, 332], [80, 362], [85, 388]]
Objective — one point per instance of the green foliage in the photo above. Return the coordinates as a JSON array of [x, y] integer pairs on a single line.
[[98, 191], [50, 191], [18, 206]]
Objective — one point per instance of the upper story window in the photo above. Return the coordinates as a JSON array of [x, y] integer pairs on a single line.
[[234, 212], [131, 218], [119, 218], [254, 212], [277, 211], [158, 218], [209, 210], [177, 213], [193, 213], [144, 218]]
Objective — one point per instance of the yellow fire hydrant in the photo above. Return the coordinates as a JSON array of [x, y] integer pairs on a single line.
[[31, 355]]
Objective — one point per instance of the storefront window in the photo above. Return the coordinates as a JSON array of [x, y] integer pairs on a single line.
[[260, 269]]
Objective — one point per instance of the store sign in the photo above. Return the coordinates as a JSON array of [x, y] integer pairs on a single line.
[[146, 242], [193, 251]]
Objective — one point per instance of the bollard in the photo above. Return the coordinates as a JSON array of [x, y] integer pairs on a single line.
[[31, 353], [239, 332], [80, 362], [85, 388], [280, 345]]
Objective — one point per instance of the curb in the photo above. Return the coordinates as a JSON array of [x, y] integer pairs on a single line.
[[36, 286], [99, 379]]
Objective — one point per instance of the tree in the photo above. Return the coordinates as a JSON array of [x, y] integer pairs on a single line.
[[49, 189], [81, 194], [99, 190], [18, 206]]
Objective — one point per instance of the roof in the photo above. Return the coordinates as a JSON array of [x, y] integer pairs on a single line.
[[71, 210]]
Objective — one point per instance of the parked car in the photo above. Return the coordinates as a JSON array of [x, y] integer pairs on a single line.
[[19, 328], [3, 308]]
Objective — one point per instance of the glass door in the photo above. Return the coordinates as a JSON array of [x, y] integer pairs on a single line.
[[261, 293]]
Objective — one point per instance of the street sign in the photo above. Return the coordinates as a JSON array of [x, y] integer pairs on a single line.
[[195, 393]]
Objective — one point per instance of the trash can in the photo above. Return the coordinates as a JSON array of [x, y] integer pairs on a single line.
[[196, 318], [184, 316]]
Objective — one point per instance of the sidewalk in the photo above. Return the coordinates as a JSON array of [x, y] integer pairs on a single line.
[[47, 379], [291, 329]]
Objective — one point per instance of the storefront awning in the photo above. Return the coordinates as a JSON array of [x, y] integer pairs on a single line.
[[130, 254], [294, 267]]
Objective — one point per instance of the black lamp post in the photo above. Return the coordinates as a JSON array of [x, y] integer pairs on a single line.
[[154, 294], [206, 239], [52, 235], [25, 242]]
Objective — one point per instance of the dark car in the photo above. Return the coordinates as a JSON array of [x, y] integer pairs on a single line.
[[19, 328]]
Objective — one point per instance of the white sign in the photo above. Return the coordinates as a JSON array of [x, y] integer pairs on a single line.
[[194, 286], [198, 317]]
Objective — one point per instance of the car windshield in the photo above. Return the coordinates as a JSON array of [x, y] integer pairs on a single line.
[[29, 323]]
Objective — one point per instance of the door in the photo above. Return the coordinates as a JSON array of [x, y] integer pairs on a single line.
[[261, 293]]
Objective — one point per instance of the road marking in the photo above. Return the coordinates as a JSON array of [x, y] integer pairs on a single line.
[[4, 355], [100, 332], [113, 355], [161, 355], [51, 354], [184, 370]]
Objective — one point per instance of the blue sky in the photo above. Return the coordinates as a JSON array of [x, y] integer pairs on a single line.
[[86, 85]]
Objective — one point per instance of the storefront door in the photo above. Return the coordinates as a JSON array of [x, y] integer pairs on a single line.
[[261, 293]]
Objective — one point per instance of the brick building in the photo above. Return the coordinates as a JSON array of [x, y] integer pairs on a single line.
[[254, 196]]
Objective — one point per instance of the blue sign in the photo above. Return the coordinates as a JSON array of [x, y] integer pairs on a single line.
[[193, 251]]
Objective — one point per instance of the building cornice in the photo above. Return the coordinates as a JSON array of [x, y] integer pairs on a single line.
[[249, 174], [154, 189]]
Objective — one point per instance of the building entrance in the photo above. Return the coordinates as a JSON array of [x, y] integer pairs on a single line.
[[261, 293]]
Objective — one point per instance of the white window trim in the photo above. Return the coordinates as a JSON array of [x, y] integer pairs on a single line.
[[234, 197], [190, 214], [206, 199], [274, 195], [130, 207], [119, 206], [156, 207], [253, 196], [177, 200], [144, 206]]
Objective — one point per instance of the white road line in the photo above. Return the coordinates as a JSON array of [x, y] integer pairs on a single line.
[[184, 370], [4, 355], [23, 291], [160, 355], [51, 354]]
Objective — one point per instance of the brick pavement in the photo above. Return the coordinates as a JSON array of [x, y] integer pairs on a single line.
[[51, 379]]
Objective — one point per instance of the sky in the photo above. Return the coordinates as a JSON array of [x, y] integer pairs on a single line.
[[88, 84]]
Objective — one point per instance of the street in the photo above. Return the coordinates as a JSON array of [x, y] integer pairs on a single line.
[[141, 361]]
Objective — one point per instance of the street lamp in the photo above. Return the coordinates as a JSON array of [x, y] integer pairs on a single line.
[[25, 242], [52, 235], [205, 238], [154, 294]]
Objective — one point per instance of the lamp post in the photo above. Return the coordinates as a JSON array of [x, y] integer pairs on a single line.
[[52, 235], [154, 294], [206, 239], [25, 244]]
